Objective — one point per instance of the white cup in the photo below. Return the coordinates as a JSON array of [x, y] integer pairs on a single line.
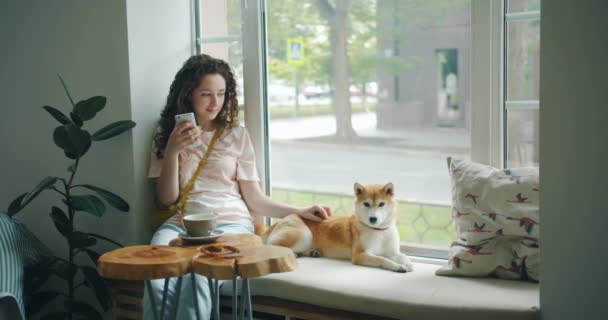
[[200, 224]]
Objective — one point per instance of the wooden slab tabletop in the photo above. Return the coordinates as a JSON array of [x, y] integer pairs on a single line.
[[146, 262], [257, 261], [249, 262]]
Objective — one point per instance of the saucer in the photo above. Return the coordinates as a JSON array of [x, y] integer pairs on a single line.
[[214, 235]]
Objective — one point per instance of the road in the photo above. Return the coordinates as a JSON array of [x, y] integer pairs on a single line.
[[334, 169], [417, 167]]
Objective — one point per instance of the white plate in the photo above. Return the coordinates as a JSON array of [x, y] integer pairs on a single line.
[[216, 234]]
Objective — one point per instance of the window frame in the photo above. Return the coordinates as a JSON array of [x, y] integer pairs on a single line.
[[487, 111]]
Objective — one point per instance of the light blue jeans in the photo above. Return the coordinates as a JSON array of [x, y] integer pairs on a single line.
[[186, 310]]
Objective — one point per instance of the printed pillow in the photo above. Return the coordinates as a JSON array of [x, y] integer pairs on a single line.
[[496, 216], [18, 248]]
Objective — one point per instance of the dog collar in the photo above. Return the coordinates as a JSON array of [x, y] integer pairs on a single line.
[[380, 229]]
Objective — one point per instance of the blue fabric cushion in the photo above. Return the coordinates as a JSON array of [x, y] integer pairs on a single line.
[[18, 248]]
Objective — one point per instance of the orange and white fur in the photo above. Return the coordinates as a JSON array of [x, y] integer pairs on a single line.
[[369, 237]]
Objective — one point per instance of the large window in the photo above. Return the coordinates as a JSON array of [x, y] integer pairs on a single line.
[[377, 91], [522, 53]]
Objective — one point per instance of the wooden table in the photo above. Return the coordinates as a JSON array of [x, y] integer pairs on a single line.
[[251, 261], [150, 262]]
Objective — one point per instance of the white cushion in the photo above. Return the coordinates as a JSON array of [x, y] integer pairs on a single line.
[[496, 218], [414, 295]]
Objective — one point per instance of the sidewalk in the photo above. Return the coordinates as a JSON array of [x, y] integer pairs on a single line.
[[319, 130]]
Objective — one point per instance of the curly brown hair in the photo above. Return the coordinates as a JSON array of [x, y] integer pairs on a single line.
[[179, 99]]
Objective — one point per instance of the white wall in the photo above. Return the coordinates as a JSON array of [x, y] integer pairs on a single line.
[[160, 40], [574, 159], [128, 51], [86, 42]]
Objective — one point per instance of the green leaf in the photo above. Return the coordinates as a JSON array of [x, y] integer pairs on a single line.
[[62, 223], [63, 269], [76, 119], [37, 275], [71, 168], [92, 277], [112, 130], [15, 205], [81, 240], [66, 90], [93, 255], [58, 315], [81, 308], [43, 185], [58, 115], [113, 199], [74, 141], [88, 203], [105, 238], [37, 300], [87, 109]]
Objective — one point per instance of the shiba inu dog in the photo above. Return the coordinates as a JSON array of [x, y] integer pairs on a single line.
[[369, 237]]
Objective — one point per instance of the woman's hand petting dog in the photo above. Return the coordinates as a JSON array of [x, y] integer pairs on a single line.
[[315, 213]]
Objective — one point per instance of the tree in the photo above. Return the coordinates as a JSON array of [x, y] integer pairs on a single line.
[[337, 19]]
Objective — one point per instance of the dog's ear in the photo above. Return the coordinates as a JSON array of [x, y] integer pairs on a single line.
[[389, 189], [359, 189]]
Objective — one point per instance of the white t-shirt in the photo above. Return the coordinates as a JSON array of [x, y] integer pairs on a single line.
[[216, 189]]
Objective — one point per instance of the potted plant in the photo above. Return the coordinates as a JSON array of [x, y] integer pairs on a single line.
[[76, 198]]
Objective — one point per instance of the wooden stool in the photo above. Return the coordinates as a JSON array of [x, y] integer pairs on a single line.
[[250, 261], [149, 262]]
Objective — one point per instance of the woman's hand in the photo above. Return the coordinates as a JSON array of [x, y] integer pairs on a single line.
[[315, 213], [182, 136]]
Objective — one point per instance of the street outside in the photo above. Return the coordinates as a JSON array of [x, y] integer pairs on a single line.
[[414, 160]]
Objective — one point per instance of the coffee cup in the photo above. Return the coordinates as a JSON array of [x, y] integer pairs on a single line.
[[200, 224]]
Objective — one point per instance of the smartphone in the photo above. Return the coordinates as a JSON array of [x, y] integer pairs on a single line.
[[179, 118], [184, 117]]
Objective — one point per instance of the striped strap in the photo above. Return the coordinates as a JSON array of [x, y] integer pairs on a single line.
[[180, 206]]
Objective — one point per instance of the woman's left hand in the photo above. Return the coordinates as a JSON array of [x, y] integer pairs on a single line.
[[315, 213]]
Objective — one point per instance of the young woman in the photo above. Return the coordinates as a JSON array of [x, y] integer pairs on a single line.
[[228, 186]]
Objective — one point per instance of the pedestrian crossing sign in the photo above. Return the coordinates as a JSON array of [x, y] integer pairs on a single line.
[[295, 51]]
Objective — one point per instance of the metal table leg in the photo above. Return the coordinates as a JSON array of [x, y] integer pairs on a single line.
[[212, 294], [246, 300], [243, 300], [235, 299], [195, 296], [178, 289], [164, 301], [217, 299], [152, 298]]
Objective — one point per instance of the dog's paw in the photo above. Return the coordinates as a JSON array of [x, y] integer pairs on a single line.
[[402, 268], [408, 267], [314, 254]]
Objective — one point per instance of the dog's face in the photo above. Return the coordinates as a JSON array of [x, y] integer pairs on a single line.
[[375, 204]]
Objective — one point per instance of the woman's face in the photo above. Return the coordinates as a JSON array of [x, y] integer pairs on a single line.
[[208, 98]]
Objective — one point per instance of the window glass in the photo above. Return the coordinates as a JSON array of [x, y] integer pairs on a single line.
[[522, 129], [370, 91], [514, 6], [522, 56], [220, 37], [522, 75]]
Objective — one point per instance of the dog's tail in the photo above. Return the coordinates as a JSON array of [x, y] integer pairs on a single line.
[[263, 231], [260, 228]]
